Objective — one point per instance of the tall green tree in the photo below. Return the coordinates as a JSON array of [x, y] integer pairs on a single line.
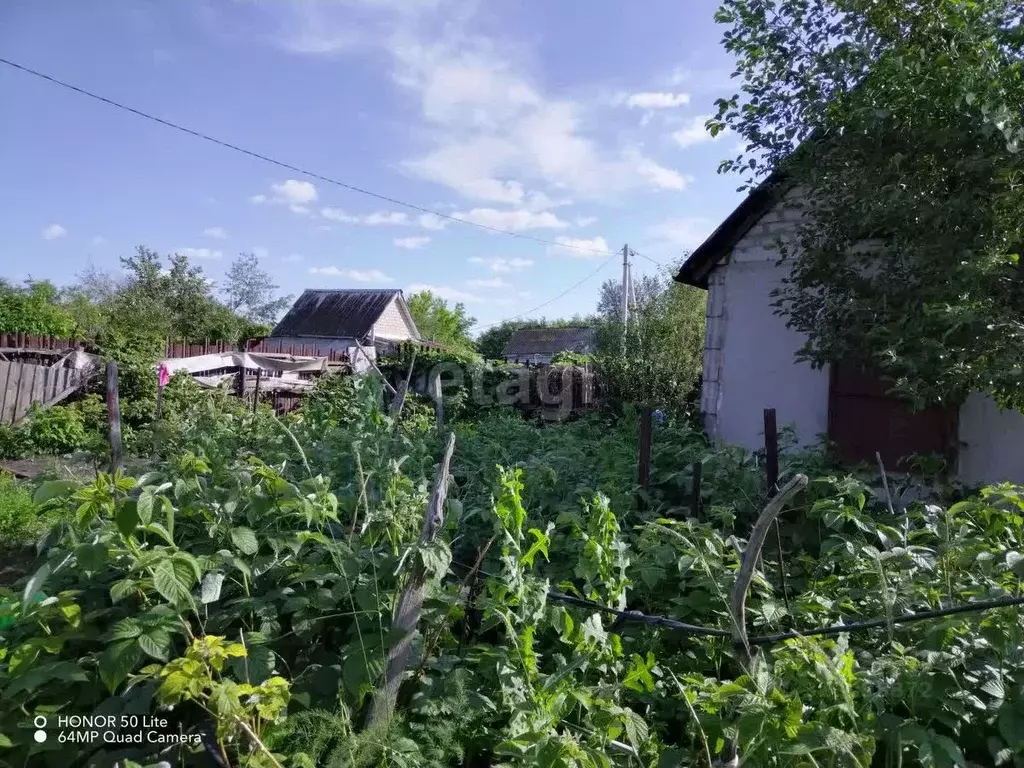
[[657, 359], [609, 305], [250, 291], [911, 175], [438, 322]]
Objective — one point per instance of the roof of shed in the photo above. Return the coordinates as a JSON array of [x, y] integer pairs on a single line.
[[344, 313], [550, 341], [706, 257]]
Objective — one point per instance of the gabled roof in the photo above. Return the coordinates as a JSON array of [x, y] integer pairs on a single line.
[[527, 342], [706, 257], [344, 313]]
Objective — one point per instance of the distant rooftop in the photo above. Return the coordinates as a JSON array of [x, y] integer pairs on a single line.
[[527, 342], [338, 313]]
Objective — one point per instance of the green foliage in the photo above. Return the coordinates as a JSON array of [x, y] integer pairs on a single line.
[[658, 360], [251, 293], [34, 309], [19, 520], [245, 589], [907, 253], [572, 358], [437, 322]]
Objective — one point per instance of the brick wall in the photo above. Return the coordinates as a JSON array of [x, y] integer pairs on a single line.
[[392, 324]]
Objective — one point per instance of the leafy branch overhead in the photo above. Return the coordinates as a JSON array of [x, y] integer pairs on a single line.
[[909, 174]]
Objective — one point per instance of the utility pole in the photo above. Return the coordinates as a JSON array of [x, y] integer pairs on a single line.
[[625, 287]]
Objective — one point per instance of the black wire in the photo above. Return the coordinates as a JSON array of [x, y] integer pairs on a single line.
[[290, 167], [835, 629]]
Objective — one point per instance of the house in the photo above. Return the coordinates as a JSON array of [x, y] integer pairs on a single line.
[[540, 345], [329, 320], [749, 365]]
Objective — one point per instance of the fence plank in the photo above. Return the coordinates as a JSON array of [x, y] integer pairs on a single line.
[[113, 417], [17, 393], [5, 373]]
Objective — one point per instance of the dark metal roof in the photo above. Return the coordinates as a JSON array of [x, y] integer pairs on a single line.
[[549, 341], [331, 314], [697, 268]]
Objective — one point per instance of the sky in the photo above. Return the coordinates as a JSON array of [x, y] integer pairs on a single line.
[[578, 122]]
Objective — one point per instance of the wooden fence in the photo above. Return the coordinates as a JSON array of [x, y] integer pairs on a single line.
[[24, 383], [177, 349]]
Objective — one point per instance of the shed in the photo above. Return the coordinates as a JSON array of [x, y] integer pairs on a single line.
[[749, 365], [329, 320], [540, 345]]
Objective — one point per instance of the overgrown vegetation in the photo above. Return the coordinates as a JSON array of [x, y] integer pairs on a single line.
[[244, 590]]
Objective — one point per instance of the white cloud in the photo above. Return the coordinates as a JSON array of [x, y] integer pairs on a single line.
[[291, 258], [295, 192], [514, 220], [585, 221], [580, 247], [694, 132], [99, 240], [216, 232], [499, 264], [260, 252], [445, 292], [487, 282], [377, 219], [53, 232], [685, 232], [432, 221], [411, 242], [656, 100], [358, 275], [660, 176], [199, 253], [496, 134]]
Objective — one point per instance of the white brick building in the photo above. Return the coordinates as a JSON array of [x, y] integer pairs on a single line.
[[749, 365]]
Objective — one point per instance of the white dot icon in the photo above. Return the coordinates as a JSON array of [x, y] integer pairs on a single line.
[[39, 721], [40, 736]]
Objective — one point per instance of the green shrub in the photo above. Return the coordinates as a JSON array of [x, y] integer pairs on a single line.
[[19, 522]]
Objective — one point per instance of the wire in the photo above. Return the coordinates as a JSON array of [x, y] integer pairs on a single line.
[[297, 169], [552, 300]]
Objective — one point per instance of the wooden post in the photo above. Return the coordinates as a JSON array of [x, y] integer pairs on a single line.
[[698, 469], [410, 602], [644, 462], [240, 387], [771, 470], [256, 394], [113, 417]]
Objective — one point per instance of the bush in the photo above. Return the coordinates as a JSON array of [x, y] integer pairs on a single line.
[[19, 522]]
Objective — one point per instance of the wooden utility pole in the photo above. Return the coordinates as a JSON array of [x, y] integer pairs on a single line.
[[113, 417]]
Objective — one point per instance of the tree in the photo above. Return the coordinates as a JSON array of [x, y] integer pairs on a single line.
[[609, 305], [33, 309], [437, 322], [251, 293], [658, 359], [910, 175]]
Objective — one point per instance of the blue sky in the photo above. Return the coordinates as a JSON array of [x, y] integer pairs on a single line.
[[576, 121]]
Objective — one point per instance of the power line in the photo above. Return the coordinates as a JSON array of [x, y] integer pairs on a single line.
[[552, 300], [289, 166]]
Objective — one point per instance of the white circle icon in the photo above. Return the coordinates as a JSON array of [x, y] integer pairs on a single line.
[[40, 736], [39, 722]]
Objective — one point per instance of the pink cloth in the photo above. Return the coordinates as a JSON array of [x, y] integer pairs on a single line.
[[163, 376]]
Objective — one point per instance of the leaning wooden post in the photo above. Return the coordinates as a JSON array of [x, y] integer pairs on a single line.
[[435, 391], [256, 393], [738, 603], [698, 470], [113, 417], [403, 389], [771, 471], [410, 602]]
